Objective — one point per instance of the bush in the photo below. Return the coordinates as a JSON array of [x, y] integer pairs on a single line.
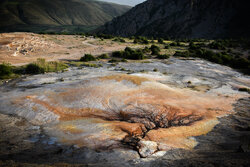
[[240, 63], [103, 56], [146, 50], [124, 60], [244, 90], [217, 45], [41, 66], [129, 53], [105, 36], [155, 50], [5, 71], [34, 69], [166, 47], [113, 61], [88, 57], [161, 41], [182, 54], [142, 40], [163, 56], [173, 44], [119, 40], [192, 46], [118, 54]]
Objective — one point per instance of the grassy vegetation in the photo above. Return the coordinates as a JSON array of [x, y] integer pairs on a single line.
[[119, 40], [161, 41], [6, 71], [103, 56], [92, 65], [88, 57], [129, 53], [162, 56], [141, 40], [221, 57], [155, 50], [39, 67], [244, 90], [70, 16]]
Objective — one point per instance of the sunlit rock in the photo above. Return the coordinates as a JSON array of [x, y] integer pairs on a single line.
[[147, 148]]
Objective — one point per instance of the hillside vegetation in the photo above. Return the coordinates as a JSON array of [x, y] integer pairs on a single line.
[[56, 15]]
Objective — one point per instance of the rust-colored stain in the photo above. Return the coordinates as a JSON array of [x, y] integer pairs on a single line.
[[168, 116], [121, 77]]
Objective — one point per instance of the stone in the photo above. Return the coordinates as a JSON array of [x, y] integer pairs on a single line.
[[147, 148], [158, 154]]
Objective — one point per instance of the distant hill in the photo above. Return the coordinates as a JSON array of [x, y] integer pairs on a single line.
[[184, 19], [56, 15]]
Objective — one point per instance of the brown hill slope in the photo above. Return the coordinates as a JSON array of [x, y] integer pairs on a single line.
[[28, 14]]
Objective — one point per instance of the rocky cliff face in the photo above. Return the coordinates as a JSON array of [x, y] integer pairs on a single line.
[[184, 19]]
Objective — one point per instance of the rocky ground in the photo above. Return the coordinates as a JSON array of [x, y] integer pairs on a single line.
[[174, 112], [185, 113], [23, 48]]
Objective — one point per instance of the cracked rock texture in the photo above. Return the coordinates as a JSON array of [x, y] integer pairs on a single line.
[[105, 117]]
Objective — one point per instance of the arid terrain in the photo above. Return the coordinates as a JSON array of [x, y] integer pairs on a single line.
[[23, 48], [154, 112]]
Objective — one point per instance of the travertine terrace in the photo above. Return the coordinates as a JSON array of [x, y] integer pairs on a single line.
[[123, 114], [112, 109]]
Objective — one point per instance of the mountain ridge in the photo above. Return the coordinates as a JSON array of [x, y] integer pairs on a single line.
[[183, 19], [22, 13]]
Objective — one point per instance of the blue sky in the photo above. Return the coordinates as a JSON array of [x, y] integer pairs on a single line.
[[125, 2]]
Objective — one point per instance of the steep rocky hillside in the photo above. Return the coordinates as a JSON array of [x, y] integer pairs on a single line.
[[34, 15], [184, 19]]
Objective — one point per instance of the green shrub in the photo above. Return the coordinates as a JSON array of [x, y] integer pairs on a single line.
[[166, 47], [113, 61], [34, 69], [104, 36], [118, 54], [142, 40], [173, 44], [103, 56], [182, 54], [129, 53], [244, 90], [155, 69], [92, 65], [124, 60], [146, 50], [161, 41], [88, 57], [162, 56], [217, 45], [192, 46], [240, 63], [5, 71], [119, 40], [41, 66], [155, 50]]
